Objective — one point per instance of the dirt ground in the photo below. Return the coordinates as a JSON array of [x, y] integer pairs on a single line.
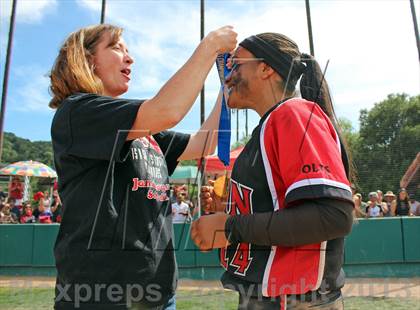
[[373, 287]]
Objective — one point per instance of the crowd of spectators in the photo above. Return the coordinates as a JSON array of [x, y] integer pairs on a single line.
[[388, 205], [44, 208]]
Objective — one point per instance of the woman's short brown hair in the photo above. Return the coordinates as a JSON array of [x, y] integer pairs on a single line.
[[73, 70]]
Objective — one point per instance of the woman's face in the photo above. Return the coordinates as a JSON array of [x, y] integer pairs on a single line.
[[113, 65], [403, 195]]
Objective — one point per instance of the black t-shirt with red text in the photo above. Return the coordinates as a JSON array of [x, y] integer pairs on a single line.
[[115, 240]]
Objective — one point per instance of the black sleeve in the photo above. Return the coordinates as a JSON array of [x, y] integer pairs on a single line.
[[99, 125], [172, 145], [310, 221]]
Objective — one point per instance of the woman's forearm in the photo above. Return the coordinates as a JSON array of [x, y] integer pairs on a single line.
[[307, 223], [176, 97], [204, 141]]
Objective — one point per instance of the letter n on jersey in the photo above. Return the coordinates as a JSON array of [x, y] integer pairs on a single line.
[[240, 202]]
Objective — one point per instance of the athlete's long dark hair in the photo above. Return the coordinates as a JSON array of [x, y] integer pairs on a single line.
[[313, 86]]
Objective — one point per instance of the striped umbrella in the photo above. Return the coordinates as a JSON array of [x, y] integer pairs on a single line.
[[29, 168]]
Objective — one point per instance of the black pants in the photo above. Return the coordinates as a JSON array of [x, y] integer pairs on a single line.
[[312, 300]]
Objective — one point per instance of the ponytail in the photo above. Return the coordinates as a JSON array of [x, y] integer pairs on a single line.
[[314, 87]]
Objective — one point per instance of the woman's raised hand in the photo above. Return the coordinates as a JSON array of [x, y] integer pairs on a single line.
[[223, 39]]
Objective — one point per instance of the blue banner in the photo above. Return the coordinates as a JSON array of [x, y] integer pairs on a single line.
[[223, 141]]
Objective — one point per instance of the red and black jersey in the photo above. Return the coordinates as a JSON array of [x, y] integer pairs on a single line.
[[294, 154]]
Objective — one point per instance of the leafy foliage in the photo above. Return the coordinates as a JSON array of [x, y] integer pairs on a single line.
[[17, 149], [387, 142], [189, 162], [244, 140]]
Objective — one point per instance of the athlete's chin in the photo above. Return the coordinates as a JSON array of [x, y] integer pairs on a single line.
[[233, 102]]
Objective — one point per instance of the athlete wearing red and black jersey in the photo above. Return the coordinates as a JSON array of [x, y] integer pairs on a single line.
[[290, 202]]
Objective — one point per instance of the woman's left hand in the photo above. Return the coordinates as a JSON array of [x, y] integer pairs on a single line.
[[208, 232]]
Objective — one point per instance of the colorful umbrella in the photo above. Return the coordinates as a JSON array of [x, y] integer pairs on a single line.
[[29, 169]]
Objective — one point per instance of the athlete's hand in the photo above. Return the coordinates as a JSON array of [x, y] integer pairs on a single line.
[[209, 200], [208, 232]]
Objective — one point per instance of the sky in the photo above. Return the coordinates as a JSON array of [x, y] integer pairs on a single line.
[[370, 46]]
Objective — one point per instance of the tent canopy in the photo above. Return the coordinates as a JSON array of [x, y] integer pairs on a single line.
[[213, 163], [184, 174]]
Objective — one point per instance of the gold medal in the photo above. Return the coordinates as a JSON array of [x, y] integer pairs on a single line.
[[221, 186]]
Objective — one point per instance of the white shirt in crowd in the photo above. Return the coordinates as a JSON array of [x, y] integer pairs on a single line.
[[375, 211], [180, 212], [414, 206]]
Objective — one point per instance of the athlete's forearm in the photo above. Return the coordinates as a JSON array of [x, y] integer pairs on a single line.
[[310, 221]]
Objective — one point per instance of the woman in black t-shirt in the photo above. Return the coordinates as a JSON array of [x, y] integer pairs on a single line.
[[113, 157], [401, 206]]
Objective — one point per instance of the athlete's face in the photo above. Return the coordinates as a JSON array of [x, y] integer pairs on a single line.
[[113, 66], [241, 81]]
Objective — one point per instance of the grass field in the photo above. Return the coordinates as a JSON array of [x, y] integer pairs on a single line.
[[41, 298]]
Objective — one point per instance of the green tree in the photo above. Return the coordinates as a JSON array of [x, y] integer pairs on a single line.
[[244, 140], [351, 140], [349, 134], [389, 139], [18, 149], [188, 162]]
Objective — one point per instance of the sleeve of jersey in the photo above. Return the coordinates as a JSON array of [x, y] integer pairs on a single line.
[[303, 153]]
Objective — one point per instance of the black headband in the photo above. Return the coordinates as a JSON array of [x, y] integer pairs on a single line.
[[279, 61]]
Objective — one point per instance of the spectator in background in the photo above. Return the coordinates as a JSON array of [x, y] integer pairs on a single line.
[[15, 209], [384, 206], [27, 215], [3, 195], [46, 200], [44, 210], [414, 205], [180, 210], [178, 190], [389, 198], [16, 190], [374, 208], [6, 216], [401, 206], [56, 207], [363, 204], [358, 207]]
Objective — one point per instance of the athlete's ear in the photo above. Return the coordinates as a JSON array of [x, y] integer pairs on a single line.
[[265, 71]]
